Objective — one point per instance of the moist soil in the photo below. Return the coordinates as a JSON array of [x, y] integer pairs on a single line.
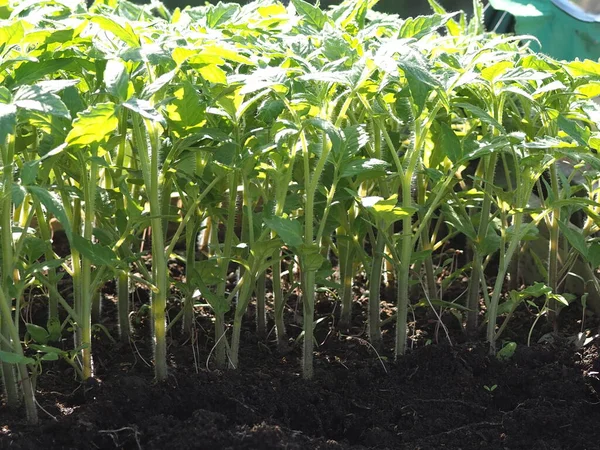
[[445, 393]]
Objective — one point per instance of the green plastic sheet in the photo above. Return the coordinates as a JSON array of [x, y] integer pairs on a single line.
[[560, 35]]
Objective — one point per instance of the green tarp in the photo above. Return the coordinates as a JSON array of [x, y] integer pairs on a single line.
[[560, 35]]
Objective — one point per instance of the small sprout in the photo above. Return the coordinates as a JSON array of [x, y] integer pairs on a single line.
[[490, 389]]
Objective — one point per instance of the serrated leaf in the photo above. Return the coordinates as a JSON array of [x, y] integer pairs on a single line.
[[145, 109], [331, 130], [363, 166], [289, 230], [221, 14], [125, 33], [311, 15], [94, 125], [36, 98], [99, 255]]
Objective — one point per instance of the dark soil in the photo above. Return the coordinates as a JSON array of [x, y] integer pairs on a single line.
[[438, 396]]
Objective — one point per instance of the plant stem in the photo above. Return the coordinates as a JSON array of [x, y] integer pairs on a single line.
[[123, 284], [148, 154], [374, 325], [484, 221], [553, 243], [10, 383]]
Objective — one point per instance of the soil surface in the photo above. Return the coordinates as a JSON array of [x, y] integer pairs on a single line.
[[446, 393]]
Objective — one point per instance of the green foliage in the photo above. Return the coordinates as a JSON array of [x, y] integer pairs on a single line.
[[286, 131]]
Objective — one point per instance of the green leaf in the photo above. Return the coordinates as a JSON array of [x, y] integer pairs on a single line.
[[289, 230], [8, 121], [386, 210], [449, 143], [507, 351], [221, 13], [331, 130], [312, 15], [310, 257], [53, 204], [37, 333], [583, 68], [575, 238], [99, 255], [481, 115], [573, 130], [417, 27], [363, 166], [420, 80], [125, 33], [36, 98], [94, 125], [116, 79], [13, 358], [593, 255], [144, 109]]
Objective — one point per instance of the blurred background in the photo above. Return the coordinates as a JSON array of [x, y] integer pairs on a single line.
[[404, 8]]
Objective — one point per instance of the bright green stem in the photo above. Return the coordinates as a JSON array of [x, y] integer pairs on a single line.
[[505, 260], [10, 383], [374, 321], [220, 350], [279, 306], [404, 271], [308, 302], [25, 380], [190, 262], [484, 221], [426, 241], [553, 249], [87, 293], [346, 258], [245, 286], [308, 270], [123, 306], [261, 310], [149, 146], [46, 234]]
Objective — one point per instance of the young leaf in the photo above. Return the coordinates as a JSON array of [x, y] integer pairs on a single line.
[[93, 125]]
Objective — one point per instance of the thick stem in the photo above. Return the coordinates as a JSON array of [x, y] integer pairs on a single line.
[[477, 271], [346, 257], [553, 249], [261, 310], [308, 302], [374, 322], [148, 145], [10, 383], [220, 350], [492, 313]]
